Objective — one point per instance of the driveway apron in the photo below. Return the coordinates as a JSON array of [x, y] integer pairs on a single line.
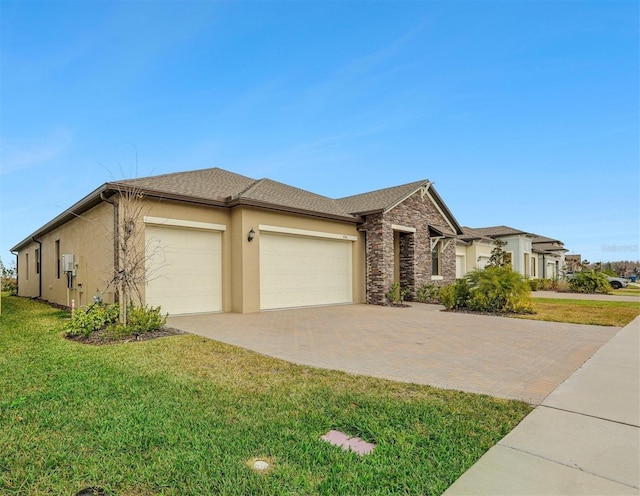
[[498, 356]]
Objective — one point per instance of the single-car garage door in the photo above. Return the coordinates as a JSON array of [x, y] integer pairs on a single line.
[[183, 269], [297, 271]]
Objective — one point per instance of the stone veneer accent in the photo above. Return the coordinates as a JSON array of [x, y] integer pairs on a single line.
[[415, 249]]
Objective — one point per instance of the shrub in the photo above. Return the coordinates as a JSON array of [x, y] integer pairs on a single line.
[[140, 320], [455, 295], [428, 293], [397, 295], [85, 321], [498, 289], [589, 281]]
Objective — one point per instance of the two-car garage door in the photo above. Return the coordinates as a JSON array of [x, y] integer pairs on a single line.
[[297, 271]]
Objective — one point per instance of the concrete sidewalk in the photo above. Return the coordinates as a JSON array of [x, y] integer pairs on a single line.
[[583, 439]]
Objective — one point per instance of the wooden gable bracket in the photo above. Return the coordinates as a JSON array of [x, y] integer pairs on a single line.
[[446, 242], [434, 241]]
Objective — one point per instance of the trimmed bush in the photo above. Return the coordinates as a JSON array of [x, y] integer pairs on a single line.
[[84, 321], [140, 320], [589, 281], [396, 295], [499, 290], [455, 295], [428, 293]]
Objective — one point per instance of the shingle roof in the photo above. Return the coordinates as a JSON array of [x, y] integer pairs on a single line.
[[217, 186], [379, 200], [498, 231], [469, 233], [273, 192], [210, 184], [220, 185]]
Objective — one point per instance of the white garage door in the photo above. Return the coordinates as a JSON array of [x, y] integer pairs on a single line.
[[297, 271], [184, 269]]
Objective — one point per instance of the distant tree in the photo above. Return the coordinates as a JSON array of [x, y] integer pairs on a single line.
[[8, 275]]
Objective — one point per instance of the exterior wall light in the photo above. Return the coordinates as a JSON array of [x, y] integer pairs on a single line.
[[252, 234]]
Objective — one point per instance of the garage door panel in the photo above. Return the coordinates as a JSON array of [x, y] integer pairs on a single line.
[[302, 271], [185, 270]]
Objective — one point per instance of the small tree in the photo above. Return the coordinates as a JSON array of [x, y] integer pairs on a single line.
[[132, 252], [499, 257], [498, 289], [8, 274]]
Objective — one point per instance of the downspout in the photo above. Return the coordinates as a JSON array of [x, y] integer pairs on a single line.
[[116, 237], [39, 265], [544, 267]]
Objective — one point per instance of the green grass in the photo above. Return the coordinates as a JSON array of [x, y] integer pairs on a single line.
[[183, 415], [595, 312], [628, 291]]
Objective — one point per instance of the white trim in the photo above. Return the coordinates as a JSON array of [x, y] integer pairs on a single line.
[[434, 241], [396, 227], [305, 232], [437, 278], [423, 190], [191, 224]]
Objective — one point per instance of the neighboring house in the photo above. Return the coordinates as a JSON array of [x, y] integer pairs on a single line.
[[551, 256], [531, 255], [218, 241], [472, 251], [574, 262]]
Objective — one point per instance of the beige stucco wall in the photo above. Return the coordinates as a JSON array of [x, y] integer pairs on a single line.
[[90, 238], [476, 254]]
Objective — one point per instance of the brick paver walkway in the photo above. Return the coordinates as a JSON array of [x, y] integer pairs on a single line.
[[502, 357]]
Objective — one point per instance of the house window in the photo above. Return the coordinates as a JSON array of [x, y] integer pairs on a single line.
[[58, 258], [435, 260], [533, 268], [37, 261], [508, 257], [26, 266]]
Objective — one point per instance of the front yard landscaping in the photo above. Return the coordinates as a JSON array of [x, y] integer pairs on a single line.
[[596, 312], [184, 415]]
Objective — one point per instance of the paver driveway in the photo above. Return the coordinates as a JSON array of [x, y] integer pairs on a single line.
[[502, 357]]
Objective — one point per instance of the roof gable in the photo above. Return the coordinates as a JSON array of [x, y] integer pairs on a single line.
[[380, 200]]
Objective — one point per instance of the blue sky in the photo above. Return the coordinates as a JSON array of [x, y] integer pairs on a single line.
[[523, 113]]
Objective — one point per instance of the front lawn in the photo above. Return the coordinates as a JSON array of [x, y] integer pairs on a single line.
[[596, 312], [630, 290], [184, 415]]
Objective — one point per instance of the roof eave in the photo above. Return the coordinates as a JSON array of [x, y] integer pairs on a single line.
[[163, 195], [91, 200], [248, 202]]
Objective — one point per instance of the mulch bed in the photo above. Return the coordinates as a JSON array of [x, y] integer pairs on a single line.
[[103, 337]]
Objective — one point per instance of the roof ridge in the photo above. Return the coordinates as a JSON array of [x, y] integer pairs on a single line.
[[249, 188]]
